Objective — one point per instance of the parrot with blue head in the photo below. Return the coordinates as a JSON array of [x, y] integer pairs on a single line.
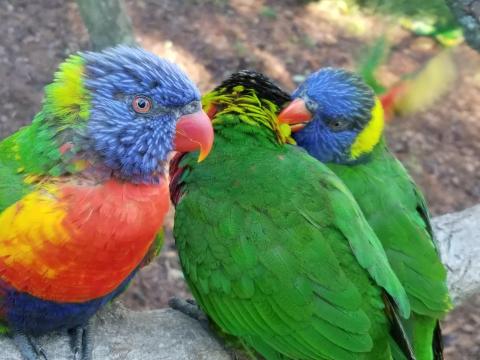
[[338, 120], [84, 189]]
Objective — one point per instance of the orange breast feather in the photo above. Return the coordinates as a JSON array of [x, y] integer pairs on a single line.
[[70, 243]]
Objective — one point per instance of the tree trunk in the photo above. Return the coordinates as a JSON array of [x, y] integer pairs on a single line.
[[467, 13], [107, 22]]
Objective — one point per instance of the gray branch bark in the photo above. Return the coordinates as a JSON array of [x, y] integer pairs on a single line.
[[122, 334], [107, 22], [458, 239], [169, 335], [467, 13]]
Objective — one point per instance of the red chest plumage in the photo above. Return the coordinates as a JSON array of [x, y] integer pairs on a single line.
[[109, 228]]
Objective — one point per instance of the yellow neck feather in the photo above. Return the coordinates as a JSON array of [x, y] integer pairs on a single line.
[[67, 97], [371, 134]]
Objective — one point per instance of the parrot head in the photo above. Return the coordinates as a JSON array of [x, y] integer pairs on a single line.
[[340, 118], [124, 110], [255, 99]]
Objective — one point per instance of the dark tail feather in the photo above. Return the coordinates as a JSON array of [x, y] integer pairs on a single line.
[[397, 331], [437, 343]]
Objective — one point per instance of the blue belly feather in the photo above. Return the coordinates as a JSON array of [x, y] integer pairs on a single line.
[[34, 316]]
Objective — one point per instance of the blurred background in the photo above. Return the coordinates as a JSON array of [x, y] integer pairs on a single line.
[[400, 47]]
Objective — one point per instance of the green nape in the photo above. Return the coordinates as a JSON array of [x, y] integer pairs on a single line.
[[243, 106]]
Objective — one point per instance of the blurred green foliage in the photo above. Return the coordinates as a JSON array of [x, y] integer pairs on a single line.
[[268, 12], [371, 58], [429, 8], [435, 11]]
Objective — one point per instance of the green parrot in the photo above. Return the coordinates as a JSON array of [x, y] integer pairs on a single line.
[[343, 127], [290, 278]]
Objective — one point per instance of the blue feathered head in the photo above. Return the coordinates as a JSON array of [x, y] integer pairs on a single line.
[[342, 119], [128, 109]]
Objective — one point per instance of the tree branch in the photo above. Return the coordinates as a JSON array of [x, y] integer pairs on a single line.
[[130, 335], [107, 22], [458, 239], [467, 13]]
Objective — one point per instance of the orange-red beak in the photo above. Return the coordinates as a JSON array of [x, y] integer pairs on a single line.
[[296, 115], [194, 132]]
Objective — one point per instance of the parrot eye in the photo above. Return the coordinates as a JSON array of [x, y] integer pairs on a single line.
[[338, 124], [311, 106], [141, 104]]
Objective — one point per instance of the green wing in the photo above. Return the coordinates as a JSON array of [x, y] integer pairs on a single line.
[[270, 266], [12, 185], [396, 210], [33, 150]]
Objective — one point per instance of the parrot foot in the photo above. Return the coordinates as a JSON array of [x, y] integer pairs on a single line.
[[82, 342], [28, 348], [190, 308]]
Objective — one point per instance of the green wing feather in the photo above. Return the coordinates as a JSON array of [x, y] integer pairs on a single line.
[[12, 187], [12, 184], [396, 210], [28, 155], [270, 266]]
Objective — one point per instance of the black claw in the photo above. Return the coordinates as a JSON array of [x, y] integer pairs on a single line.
[[190, 308], [88, 342], [76, 342], [28, 348], [192, 301], [41, 352], [82, 342]]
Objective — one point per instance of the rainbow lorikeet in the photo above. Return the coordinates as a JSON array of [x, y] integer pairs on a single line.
[[83, 189], [344, 129], [290, 278]]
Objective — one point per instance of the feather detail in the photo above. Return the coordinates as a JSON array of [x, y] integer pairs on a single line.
[[73, 243]]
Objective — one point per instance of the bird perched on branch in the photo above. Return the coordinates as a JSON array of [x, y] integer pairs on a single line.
[[343, 127], [83, 189], [273, 245]]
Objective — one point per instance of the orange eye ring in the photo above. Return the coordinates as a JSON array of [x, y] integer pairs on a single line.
[[141, 104]]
